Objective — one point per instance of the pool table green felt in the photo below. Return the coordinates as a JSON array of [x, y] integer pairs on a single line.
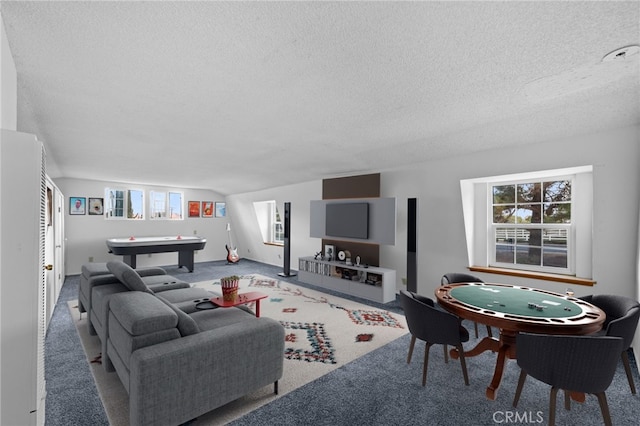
[[515, 301]]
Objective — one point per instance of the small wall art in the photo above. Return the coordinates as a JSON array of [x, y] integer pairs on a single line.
[[96, 206], [77, 205], [221, 209], [207, 209], [194, 208]]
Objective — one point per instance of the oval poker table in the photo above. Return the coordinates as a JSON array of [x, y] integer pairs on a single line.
[[514, 309]]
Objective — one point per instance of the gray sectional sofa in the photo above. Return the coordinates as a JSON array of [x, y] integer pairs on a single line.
[[178, 362], [98, 274]]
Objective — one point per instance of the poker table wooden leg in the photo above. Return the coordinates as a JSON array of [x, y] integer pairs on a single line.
[[486, 344], [506, 351]]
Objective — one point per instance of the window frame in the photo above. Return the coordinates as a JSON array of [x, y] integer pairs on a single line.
[[267, 215], [109, 207], [165, 214], [476, 216], [492, 227]]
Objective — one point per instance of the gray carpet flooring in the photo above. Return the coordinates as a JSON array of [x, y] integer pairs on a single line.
[[379, 388]]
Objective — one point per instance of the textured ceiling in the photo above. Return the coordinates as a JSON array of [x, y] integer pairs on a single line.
[[241, 96]]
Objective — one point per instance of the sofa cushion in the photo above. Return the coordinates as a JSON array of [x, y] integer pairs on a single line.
[[140, 313], [186, 325], [128, 276], [217, 318], [193, 294]]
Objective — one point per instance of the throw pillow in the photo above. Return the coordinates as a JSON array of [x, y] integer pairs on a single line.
[[128, 276]]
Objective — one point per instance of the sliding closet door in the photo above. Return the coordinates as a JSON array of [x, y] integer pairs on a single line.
[[22, 278]]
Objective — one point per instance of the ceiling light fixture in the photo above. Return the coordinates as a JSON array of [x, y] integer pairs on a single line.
[[622, 54]]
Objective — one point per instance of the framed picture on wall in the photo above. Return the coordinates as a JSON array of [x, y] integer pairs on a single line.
[[194, 208], [77, 205], [221, 209], [96, 206], [207, 209]]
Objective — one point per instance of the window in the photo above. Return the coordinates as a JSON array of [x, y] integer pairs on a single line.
[[269, 221], [166, 205], [531, 225], [537, 221], [124, 203]]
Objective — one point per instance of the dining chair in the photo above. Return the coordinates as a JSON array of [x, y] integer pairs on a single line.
[[458, 277], [623, 314], [583, 364], [433, 326]]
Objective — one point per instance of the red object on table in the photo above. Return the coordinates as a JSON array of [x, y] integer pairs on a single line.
[[243, 298]]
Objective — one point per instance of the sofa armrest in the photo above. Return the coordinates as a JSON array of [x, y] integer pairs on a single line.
[[212, 367], [147, 271]]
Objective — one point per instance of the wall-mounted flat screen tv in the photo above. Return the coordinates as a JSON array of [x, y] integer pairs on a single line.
[[347, 220]]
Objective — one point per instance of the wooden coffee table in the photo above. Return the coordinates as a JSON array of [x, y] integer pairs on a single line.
[[243, 298]]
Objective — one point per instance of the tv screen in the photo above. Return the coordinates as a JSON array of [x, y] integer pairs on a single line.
[[347, 220]]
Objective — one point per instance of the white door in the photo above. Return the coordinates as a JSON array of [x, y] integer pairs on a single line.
[[53, 252]]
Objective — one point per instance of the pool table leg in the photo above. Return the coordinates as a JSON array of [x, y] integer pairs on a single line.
[[130, 259], [185, 258]]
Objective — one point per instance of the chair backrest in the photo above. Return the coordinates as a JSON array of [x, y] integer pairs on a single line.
[[623, 314], [575, 363], [428, 323], [458, 277]]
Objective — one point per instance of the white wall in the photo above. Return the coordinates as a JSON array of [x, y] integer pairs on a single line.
[[441, 236], [442, 245], [8, 84], [249, 240], [86, 235]]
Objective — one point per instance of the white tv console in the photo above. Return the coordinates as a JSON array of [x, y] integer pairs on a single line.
[[372, 283]]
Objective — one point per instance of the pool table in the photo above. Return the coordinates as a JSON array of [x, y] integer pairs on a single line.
[[128, 248], [515, 309]]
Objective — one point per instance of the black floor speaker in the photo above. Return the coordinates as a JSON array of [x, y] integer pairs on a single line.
[[287, 243], [412, 244]]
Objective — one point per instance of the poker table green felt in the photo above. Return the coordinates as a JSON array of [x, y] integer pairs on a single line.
[[518, 308], [517, 301]]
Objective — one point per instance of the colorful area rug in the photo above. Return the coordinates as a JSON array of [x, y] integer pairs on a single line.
[[322, 333]]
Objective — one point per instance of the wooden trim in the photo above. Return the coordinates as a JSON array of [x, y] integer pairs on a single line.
[[274, 244], [535, 275]]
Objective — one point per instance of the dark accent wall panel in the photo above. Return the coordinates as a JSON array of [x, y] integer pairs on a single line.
[[363, 186], [369, 253]]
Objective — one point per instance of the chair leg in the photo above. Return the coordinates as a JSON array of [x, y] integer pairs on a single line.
[[489, 332], [476, 328], [427, 346], [521, 379], [627, 369], [604, 407], [275, 387], [567, 400], [446, 354], [463, 363], [552, 406], [411, 345]]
